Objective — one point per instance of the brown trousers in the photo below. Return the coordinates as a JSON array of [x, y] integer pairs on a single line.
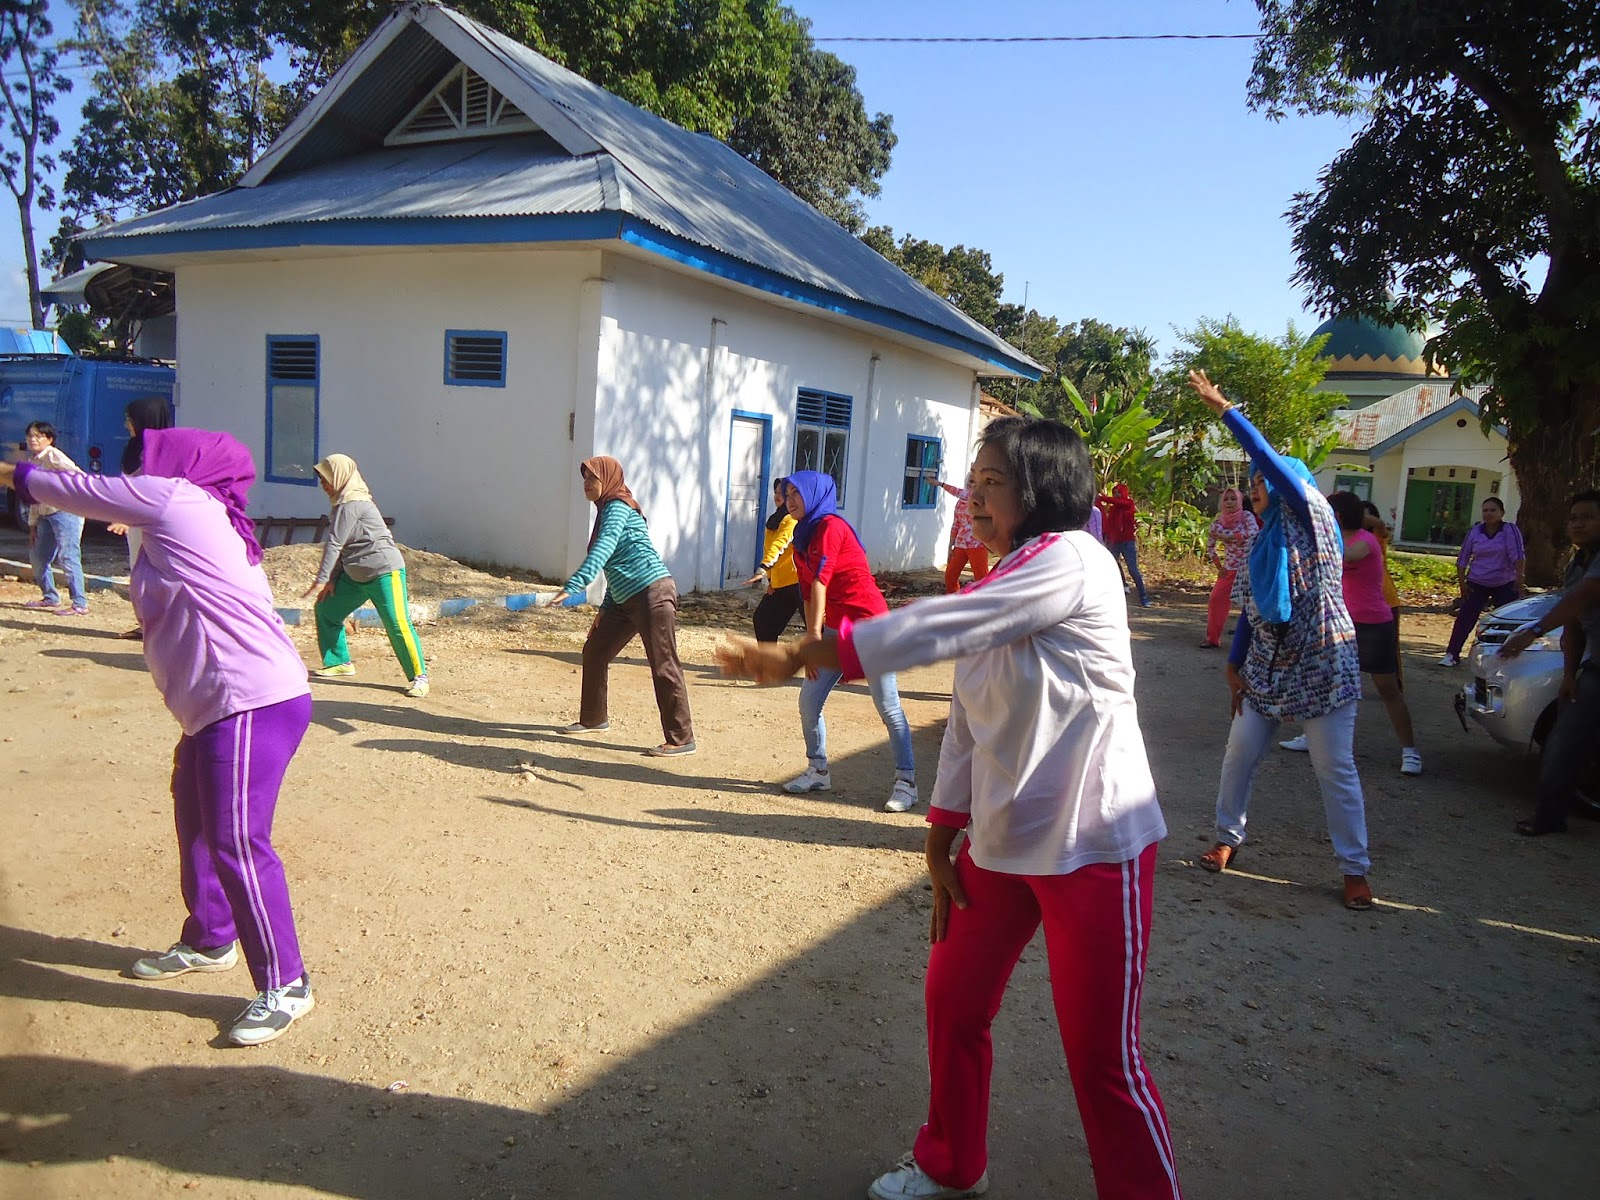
[[653, 615]]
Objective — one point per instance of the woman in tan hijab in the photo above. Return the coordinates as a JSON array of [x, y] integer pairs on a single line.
[[360, 563], [640, 599]]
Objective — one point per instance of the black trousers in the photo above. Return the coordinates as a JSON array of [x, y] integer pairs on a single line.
[[776, 610]]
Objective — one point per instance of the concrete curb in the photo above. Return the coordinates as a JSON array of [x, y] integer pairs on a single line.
[[91, 583], [365, 615]]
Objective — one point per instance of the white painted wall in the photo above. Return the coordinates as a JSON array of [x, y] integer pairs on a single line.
[[679, 355], [486, 474], [1444, 446]]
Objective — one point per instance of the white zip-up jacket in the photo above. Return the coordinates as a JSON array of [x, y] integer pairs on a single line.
[[1043, 760]]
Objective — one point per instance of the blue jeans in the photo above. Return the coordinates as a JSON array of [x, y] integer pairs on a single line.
[[885, 695], [1331, 740], [1128, 552], [57, 537]]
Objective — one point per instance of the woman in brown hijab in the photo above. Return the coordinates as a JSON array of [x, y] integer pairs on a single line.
[[640, 599]]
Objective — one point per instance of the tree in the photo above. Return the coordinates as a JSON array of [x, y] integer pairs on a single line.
[[1272, 380], [965, 277], [1095, 356], [32, 84], [1477, 162], [1117, 431]]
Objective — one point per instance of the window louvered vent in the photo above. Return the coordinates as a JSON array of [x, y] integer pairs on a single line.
[[288, 359], [464, 105], [475, 359], [819, 408]]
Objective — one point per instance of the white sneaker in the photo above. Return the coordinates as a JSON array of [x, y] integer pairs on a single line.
[[1297, 743], [337, 671], [908, 1181], [418, 688], [1449, 660], [1410, 761], [902, 797], [272, 1012], [812, 780], [182, 959]]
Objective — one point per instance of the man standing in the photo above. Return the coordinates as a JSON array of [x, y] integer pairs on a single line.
[[1570, 744]]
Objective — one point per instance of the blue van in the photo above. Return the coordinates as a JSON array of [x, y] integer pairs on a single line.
[[83, 398]]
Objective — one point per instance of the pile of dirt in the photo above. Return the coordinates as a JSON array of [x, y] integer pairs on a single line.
[[429, 576]]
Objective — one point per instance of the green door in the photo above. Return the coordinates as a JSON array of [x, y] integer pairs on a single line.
[[1437, 513]]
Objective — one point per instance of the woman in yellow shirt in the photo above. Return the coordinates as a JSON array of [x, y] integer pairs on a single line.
[[777, 571]]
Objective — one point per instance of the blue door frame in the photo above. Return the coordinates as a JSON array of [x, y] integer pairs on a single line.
[[765, 420]]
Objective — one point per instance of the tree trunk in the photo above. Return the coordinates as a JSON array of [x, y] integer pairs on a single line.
[[1552, 461], [30, 258]]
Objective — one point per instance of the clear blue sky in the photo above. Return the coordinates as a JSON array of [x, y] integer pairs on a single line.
[[1124, 181]]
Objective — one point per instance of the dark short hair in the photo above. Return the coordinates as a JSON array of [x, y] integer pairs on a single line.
[[1050, 464], [1588, 496], [1496, 501], [1371, 509], [43, 429], [1348, 509]]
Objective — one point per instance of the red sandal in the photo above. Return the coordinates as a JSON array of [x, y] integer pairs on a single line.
[[1219, 857]]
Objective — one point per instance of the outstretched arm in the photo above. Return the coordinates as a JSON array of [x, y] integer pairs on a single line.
[[1283, 480]]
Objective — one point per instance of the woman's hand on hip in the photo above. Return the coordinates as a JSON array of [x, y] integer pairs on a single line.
[[946, 887], [1236, 691]]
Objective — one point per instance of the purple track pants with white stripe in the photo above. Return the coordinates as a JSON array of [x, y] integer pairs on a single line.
[[225, 782]]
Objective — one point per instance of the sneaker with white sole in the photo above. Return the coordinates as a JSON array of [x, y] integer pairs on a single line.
[[812, 780], [272, 1012], [1410, 761], [418, 688], [908, 1181], [1298, 744], [181, 959], [336, 671], [1449, 660], [580, 727], [902, 797]]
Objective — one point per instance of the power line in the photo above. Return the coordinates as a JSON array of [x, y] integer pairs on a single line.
[[1079, 37]]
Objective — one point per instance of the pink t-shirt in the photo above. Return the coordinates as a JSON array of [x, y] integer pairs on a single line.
[[1363, 582]]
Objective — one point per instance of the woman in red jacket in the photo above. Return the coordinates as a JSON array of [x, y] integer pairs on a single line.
[[1122, 537]]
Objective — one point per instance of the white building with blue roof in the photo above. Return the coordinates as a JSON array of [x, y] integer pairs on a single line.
[[469, 269]]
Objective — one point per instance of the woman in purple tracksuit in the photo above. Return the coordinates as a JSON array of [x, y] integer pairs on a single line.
[[228, 672], [1489, 570]]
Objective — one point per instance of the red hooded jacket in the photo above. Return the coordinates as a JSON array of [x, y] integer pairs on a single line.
[[1118, 509]]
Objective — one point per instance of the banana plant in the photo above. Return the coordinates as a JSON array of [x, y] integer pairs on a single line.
[[1117, 429]]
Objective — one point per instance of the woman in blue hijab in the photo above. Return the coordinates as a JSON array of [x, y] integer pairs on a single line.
[[1294, 654]]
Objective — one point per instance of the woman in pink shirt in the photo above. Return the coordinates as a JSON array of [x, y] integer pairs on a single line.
[[1234, 530], [1377, 647], [225, 666]]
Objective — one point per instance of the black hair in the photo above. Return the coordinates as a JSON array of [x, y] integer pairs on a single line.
[[43, 429], [1347, 509], [775, 521], [1371, 509], [1496, 501], [143, 413], [1587, 496], [1049, 463]]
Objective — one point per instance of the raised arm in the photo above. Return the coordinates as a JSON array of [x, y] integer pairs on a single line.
[[1283, 480]]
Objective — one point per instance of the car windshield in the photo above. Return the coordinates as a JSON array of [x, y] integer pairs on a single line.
[[1529, 609]]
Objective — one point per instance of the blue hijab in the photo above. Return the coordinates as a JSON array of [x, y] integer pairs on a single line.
[[821, 499], [1269, 554]]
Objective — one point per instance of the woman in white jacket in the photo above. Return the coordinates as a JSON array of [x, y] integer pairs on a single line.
[[1044, 765]]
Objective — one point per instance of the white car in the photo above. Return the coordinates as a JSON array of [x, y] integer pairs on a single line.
[[1513, 700]]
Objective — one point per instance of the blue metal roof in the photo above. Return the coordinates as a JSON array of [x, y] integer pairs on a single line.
[[328, 177]]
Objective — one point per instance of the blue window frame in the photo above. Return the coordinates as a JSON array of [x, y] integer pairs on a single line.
[[475, 358], [822, 434], [294, 384], [923, 456]]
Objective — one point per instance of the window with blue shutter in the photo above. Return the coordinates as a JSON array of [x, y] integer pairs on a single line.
[[822, 434], [294, 376], [921, 489], [474, 358]]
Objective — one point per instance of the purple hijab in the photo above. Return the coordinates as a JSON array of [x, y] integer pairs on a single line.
[[215, 462]]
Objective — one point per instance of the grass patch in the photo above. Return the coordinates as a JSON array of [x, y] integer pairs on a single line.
[[1423, 576]]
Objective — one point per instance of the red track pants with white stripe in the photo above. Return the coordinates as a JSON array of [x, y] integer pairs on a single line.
[[1097, 932]]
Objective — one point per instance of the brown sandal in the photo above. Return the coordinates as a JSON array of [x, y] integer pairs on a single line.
[[1357, 893], [1219, 857]]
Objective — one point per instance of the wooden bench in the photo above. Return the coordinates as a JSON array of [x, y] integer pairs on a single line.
[[290, 527]]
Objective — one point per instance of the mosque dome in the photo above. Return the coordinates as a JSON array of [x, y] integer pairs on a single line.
[[1363, 347]]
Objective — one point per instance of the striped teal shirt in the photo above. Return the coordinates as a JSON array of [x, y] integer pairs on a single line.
[[623, 550]]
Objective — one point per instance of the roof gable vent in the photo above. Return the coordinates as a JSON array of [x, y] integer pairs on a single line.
[[464, 105]]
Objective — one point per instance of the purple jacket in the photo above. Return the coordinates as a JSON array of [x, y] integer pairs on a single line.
[[212, 638], [1493, 560]]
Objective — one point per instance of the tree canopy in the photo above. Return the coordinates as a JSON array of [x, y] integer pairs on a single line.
[[1470, 196], [30, 88]]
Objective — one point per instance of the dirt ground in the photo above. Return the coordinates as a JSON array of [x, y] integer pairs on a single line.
[[555, 968]]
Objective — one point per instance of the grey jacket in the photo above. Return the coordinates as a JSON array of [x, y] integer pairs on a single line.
[[359, 544]]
